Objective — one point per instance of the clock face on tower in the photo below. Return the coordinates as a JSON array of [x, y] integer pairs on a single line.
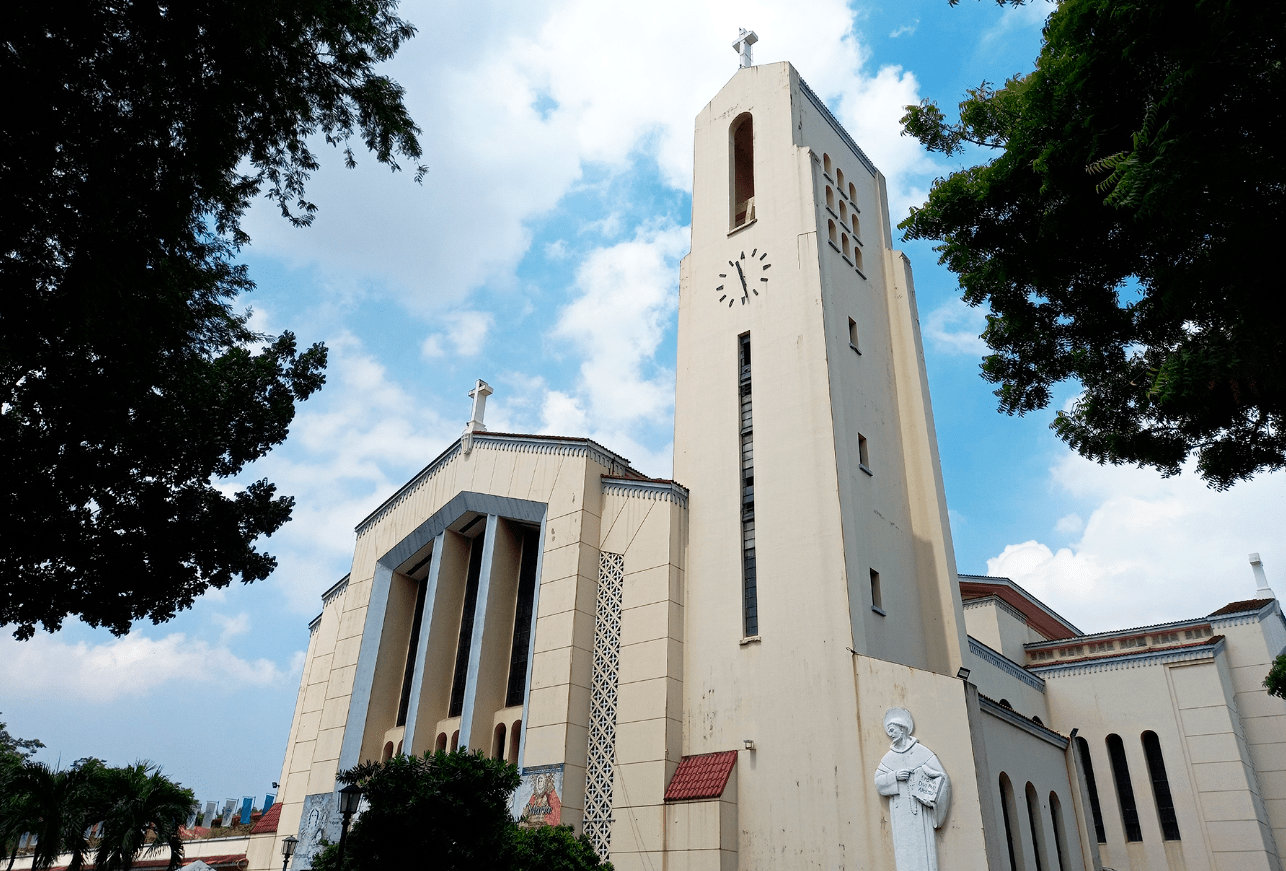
[[747, 276]]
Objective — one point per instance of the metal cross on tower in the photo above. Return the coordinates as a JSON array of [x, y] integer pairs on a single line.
[[745, 39]]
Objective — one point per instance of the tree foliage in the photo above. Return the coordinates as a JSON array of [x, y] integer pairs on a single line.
[[140, 808], [138, 133], [1275, 682], [455, 808], [1122, 234]]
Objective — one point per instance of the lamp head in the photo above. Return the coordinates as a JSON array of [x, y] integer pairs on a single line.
[[349, 797], [288, 846]]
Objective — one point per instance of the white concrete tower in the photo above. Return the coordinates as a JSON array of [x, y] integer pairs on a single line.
[[803, 429]]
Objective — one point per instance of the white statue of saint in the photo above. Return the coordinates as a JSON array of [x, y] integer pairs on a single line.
[[919, 793]]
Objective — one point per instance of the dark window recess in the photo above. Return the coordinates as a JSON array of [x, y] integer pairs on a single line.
[[749, 574], [522, 618], [1124, 789], [412, 648], [1096, 809], [1033, 821], [1005, 795], [1160, 787], [466, 625]]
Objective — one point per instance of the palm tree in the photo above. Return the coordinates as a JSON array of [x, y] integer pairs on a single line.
[[139, 803], [55, 806]]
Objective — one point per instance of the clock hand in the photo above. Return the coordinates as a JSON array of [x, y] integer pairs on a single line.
[[745, 291]]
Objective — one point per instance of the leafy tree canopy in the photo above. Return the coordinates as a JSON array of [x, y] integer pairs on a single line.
[[1122, 235], [138, 132], [140, 809], [14, 750], [453, 807], [1275, 682]]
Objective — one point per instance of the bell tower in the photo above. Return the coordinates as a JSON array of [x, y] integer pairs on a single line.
[[803, 428]]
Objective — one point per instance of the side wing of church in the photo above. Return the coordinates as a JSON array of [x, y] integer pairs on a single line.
[[774, 664]]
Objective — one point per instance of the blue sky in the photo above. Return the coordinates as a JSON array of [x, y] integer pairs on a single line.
[[541, 253]]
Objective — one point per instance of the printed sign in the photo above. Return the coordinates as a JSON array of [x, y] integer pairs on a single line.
[[538, 799]]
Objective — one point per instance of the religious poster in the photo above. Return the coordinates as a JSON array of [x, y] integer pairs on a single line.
[[538, 799], [320, 820]]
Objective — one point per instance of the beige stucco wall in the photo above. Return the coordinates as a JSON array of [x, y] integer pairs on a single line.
[[1189, 703]]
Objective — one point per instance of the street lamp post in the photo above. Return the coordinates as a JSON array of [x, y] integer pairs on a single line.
[[288, 850], [349, 797]]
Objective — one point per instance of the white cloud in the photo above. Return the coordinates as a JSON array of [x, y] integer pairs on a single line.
[[1069, 524], [1153, 549], [231, 627], [627, 295], [350, 447], [133, 666], [956, 327], [465, 334], [516, 99], [905, 29]]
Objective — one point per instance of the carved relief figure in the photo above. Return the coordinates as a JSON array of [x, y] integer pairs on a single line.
[[919, 793]]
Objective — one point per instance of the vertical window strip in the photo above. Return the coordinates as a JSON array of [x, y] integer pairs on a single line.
[[749, 569], [1160, 787], [604, 678], [1096, 809], [1033, 822], [412, 647], [1006, 796], [1060, 836], [522, 619], [1124, 789], [466, 624]]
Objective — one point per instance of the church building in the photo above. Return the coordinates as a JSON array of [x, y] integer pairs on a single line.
[[771, 660]]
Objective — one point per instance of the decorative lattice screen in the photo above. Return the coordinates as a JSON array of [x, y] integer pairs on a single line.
[[602, 703]]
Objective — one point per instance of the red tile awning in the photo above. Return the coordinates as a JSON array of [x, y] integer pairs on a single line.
[[703, 776]]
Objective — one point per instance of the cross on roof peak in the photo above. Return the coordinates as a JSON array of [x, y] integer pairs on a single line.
[[745, 39]]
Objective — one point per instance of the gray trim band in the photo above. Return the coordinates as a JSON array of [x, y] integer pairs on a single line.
[[1005, 664], [479, 631], [1000, 712]]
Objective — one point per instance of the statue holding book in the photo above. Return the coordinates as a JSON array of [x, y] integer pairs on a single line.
[[919, 793]]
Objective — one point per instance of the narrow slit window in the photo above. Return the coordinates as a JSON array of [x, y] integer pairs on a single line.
[[466, 626], [843, 215], [498, 742], [1096, 810], [1060, 831], [826, 164], [412, 648], [839, 178], [1160, 787], [863, 452], [852, 194], [1008, 810], [852, 336], [857, 228], [830, 198], [522, 619], [749, 572], [830, 228], [1033, 823], [877, 597], [857, 257], [844, 239], [1124, 789], [742, 143]]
